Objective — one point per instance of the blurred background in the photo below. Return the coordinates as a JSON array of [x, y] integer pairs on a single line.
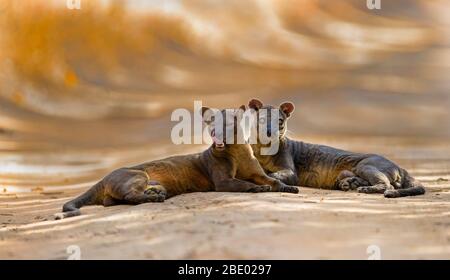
[[85, 91]]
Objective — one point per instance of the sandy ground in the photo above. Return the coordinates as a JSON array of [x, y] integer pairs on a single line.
[[70, 115], [315, 224]]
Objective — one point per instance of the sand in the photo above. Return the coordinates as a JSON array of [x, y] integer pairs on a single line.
[[112, 108], [314, 224]]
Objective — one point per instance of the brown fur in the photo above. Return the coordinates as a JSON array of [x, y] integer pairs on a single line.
[[231, 168]]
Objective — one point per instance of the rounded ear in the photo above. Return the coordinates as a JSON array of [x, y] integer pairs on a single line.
[[255, 104], [204, 110], [287, 108], [207, 114], [243, 107]]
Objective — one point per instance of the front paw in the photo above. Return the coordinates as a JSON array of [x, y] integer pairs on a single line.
[[275, 175], [368, 190], [155, 194], [289, 189], [284, 177], [351, 183], [263, 188]]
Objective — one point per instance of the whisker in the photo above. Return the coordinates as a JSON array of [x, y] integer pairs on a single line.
[[290, 133]]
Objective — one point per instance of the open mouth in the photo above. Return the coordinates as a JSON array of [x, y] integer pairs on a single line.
[[217, 143]]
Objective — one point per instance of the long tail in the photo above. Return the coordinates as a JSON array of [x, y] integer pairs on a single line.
[[72, 208], [410, 187]]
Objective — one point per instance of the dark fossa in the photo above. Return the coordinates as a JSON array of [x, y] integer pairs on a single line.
[[319, 166]]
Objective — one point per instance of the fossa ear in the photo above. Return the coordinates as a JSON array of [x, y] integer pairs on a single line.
[[255, 104], [287, 108], [207, 115]]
